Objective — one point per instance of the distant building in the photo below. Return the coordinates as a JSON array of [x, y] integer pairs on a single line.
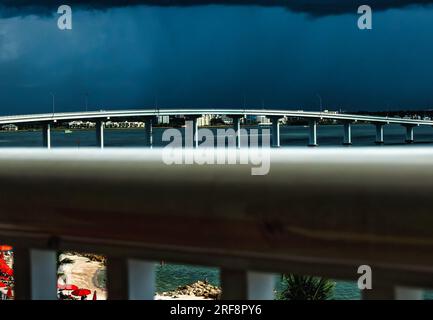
[[226, 119], [163, 119], [251, 119], [9, 127], [263, 120], [131, 124], [124, 124], [111, 125], [330, 112], [205, 120], [80, 124]]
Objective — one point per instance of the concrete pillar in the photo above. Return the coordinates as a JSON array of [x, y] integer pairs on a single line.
[[46, 135], [141, 280], [148, 133], [347, 134], [260, 286], [409, 134], [237, 128], [379, 133], [191, 132], [195, 132], [404, 293], [313, 133], [275, 132], [100, 133], [43, 275]]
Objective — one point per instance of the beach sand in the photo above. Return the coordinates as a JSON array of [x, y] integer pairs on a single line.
[[82, 272]]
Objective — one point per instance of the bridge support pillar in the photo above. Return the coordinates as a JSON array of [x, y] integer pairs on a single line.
[[46, 135], [191, 131], [148, 133], [347, 141], [275, 131], [379, 133], [237, 129], [100, 133], [409, 133], [313, 133]]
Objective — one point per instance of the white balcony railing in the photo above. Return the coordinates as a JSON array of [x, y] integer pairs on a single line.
[[320, 212]]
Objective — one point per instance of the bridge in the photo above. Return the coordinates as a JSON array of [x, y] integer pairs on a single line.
[[303, 218], [148, 115]]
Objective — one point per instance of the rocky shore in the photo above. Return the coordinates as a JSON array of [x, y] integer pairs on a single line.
[[201, 289]]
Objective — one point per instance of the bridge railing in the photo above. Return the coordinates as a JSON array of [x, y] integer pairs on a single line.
[[321, 212]]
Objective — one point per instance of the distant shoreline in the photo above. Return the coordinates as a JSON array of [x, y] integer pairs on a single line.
[[170, 127]]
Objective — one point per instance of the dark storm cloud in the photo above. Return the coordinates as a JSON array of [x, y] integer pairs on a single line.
[[215, 56], [312, 7]]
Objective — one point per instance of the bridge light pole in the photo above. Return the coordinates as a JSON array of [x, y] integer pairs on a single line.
[[86, 100], [320, 102], [53, 96]]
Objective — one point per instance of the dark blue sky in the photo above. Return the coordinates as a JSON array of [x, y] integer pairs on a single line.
[[214, 56]]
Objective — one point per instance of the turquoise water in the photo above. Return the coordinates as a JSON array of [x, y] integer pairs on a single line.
[[170, 276]]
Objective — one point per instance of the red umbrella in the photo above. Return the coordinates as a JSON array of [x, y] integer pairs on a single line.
[[2, 285], [4, 268], [67, 286], [94, 295], [5, 247], [9, 294], [81, 292]]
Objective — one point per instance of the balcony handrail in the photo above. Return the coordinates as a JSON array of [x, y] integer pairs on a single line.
[[318, 211]]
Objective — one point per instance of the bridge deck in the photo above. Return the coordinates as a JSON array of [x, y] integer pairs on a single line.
[[107, 114]]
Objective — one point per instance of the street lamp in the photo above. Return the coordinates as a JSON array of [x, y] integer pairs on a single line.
[[52, 94], [320, 100]]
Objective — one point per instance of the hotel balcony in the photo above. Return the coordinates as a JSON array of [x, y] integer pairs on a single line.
[[321, 212]]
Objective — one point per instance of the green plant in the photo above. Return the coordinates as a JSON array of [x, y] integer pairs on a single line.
[[306, 288]]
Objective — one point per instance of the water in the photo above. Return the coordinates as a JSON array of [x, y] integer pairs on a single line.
[[328, 135], [171, 276]]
